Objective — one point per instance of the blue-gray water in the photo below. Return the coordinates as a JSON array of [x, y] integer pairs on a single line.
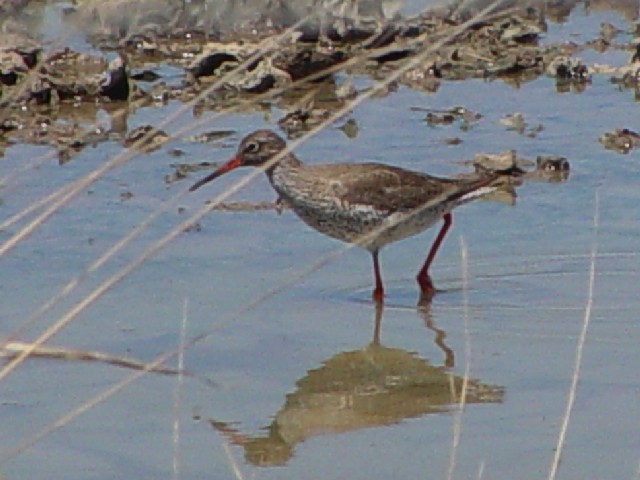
[[521, 313]]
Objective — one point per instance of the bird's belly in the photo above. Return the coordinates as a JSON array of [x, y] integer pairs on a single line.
[[366, 226], [402, 225]]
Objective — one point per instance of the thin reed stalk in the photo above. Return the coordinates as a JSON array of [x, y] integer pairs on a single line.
[[571, 396]]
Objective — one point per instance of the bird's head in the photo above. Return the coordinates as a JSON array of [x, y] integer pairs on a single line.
[[255, 150]]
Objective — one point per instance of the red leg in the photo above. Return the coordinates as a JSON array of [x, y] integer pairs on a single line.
[[378, 292], [424, 280]]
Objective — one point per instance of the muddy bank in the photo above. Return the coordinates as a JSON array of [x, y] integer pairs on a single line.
[[51, 94]]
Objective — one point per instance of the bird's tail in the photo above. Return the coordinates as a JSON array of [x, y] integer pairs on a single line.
[[481, 187]]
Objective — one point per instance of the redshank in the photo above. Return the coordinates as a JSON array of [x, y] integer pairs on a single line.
[[368, 204]]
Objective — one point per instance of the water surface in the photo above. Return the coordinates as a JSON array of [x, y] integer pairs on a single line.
[[300, 384]]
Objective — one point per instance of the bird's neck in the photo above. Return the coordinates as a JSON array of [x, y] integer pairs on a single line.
[[287, 162], [284, 175]]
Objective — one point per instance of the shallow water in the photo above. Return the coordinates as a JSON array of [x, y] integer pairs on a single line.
[[300, 361]]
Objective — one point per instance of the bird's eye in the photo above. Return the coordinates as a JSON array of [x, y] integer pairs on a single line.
[[252, 147]]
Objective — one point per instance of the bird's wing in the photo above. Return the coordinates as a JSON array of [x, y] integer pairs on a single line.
[[391, 189]]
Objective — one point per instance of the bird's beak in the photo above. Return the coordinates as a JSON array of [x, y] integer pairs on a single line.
[[235, 162]]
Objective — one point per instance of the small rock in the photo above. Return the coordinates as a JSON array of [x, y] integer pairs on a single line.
[[115, 85], [145, 76], [210, 64], [346, 91], [568, 70], [636, 56], [514, 121], [608, 31], [552, 168], [145, 138], [463, 115], [296, 122], [505, 162], [620, 140], [211, 136], [350, 128], [434, 119], [194, 227], [124, 196]]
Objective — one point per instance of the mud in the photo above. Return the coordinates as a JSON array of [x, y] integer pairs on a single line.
[[51, 96]]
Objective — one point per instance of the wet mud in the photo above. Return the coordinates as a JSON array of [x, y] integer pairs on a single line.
[[51, 95]]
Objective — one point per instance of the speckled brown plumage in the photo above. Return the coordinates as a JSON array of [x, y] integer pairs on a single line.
[[369, 204]]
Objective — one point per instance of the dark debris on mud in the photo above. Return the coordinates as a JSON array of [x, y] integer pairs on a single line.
[[51, 96], [621, 140]]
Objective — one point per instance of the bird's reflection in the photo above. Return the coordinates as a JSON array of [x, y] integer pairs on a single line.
[[371, 387]]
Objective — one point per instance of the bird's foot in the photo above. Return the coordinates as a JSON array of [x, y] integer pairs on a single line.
[[378, 296], [425, 298], [427, 290]]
